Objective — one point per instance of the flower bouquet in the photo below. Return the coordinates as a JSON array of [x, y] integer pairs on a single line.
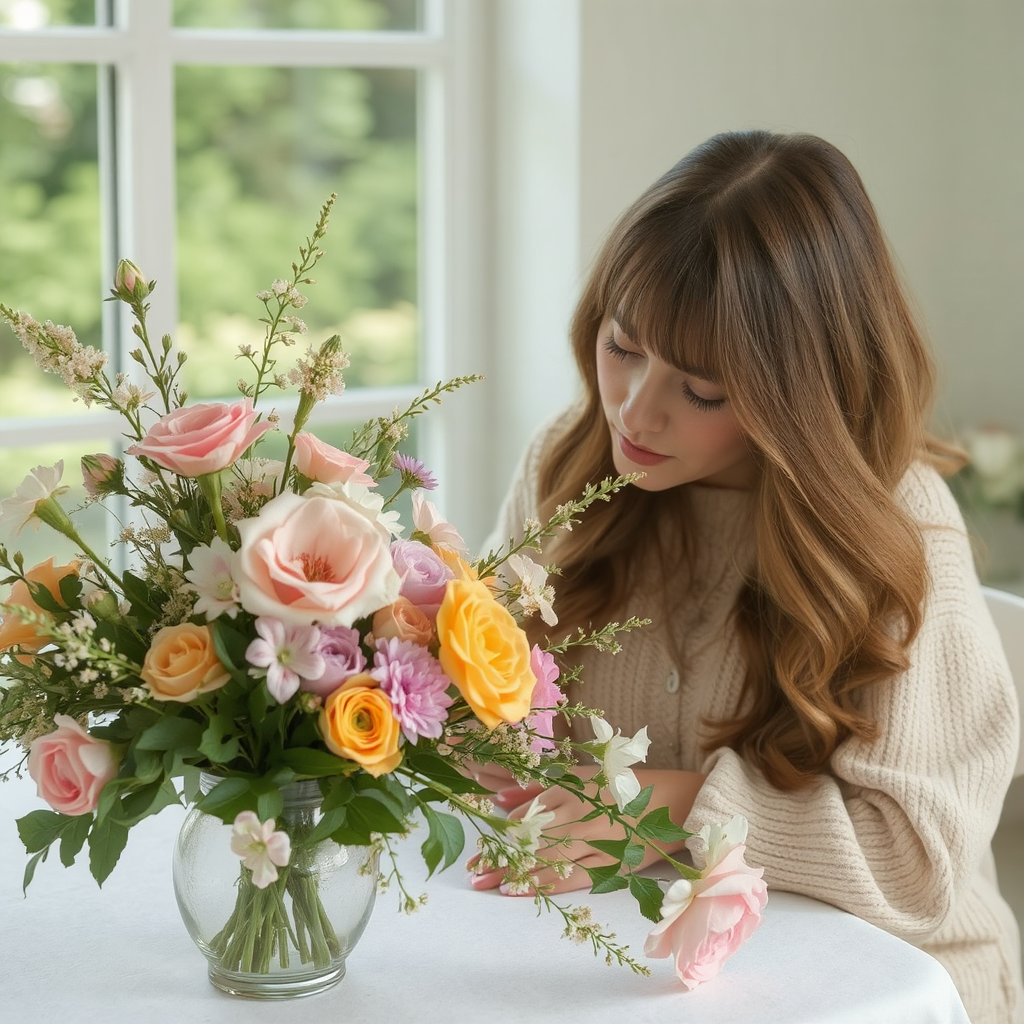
[[265, 647]]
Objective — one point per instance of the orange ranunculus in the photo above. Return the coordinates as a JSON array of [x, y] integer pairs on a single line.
[[15, 631], [357, 723], [181, 663], [485, 653]]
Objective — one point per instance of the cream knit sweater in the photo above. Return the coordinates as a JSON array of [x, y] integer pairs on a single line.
[[898, 831]]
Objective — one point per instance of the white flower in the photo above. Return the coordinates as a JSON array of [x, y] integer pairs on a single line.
[[211, 575], [618, 753], [721, 840], [534, 595], [262, 849], [362, 499], [426, 519], [19, 510], [526, 831]]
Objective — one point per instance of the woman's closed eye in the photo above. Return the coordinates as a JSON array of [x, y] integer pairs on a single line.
[[616, 351], [700, 402]]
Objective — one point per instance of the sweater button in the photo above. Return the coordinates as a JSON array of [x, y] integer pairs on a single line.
[[672, 682]]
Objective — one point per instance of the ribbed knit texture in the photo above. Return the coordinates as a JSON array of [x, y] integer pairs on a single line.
[[899, 831]]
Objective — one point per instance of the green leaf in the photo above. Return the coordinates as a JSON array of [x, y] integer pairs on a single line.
[[269, 802], [332, 820], [172, 733], [634, 855], [40, 828], [337, 793], [606, 879], [659, 826], [613, 847], [230, 646], [70, 589], [310, 763], [30, 869], [436, 768], [44, 599], [368, 814], [217, 744], [73, 838], [648, 894], [229, 797], [446, 839], [106, 841], [639, 803], [147, 800], [138, 593]]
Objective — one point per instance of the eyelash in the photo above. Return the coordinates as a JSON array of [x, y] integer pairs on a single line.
[[703, 404]]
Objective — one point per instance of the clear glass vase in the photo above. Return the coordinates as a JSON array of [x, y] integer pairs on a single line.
[[290, 938]]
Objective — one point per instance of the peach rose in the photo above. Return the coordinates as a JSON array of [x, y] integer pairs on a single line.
[[181, 663], [403, 621], [204, 438], [357, 723], [485, 653], [305, 560], [329, 465], [703, 922], [15, 631], [70, 767]]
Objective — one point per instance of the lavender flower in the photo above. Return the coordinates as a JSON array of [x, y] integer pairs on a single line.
[[414, 473], [342, 656], [413, 681]]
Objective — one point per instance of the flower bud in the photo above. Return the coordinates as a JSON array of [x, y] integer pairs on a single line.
[[103, 605], [102, 474], [130, 283]]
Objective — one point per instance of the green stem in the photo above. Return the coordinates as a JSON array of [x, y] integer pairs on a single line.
[[209, 484]]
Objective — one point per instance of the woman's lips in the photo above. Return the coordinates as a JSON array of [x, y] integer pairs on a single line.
[[641, 456]]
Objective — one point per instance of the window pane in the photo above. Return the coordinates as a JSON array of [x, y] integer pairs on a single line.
[[49, 221], [29, 15], [259, 151], [351, 15]]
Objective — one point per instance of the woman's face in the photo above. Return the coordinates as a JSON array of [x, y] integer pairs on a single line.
[[674, 426]]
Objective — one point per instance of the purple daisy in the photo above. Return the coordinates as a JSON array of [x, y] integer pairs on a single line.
[[415, 684], [414, 473]]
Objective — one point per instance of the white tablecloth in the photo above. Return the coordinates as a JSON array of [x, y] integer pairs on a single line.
[[75, 954]]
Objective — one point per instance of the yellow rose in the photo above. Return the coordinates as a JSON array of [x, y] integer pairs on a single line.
[[485, 653], [181, 663], [15, 631], [357, 723]]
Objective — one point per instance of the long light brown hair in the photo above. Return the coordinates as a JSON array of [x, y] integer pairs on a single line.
[[760, 258]]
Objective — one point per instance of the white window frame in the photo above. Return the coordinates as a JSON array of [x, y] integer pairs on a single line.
[[137, 173]]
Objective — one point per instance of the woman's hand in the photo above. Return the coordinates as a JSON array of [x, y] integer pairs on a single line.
[[675, 790]]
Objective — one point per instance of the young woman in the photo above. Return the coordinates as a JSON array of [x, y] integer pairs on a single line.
[[820, 659]]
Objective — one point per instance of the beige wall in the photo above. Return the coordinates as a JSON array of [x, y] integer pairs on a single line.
[[596, 98]]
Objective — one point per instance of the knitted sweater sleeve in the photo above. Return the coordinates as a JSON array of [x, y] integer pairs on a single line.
[[895, 830]]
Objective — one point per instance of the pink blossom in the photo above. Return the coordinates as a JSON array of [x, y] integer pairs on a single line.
[[101, 474], [70, 767], [200, 439], [288, 653], [343, 658], [705, 921], [546, 700], [414, 682], [423, 574], [304, 560], [262, 849], [428, 520], [326, 464]]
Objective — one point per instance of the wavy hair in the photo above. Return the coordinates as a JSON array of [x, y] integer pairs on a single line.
[[760, 257]]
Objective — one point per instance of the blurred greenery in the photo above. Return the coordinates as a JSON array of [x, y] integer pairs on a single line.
[[259, 149]]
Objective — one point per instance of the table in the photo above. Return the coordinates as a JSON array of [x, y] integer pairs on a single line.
[[73, 952]]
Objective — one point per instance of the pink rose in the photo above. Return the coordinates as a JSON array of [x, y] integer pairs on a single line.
[[101, 474], [705, 921], [70, 767], [424, 575], [329, 465], [305, 560], [200, 439], [546, 700]]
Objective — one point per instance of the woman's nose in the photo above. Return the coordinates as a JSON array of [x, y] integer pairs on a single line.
[[643, 410]]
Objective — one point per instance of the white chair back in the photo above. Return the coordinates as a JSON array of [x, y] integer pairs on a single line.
[[1008, 614]]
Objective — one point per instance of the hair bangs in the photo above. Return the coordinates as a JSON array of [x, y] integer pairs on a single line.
[[663, 298]]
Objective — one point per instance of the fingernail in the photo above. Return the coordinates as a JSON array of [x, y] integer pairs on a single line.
[[477, 881], [508, 797], [504, 888]]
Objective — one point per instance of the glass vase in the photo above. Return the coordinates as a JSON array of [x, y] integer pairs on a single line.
[[290, 938]]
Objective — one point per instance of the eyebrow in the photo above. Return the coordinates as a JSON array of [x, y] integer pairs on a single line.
[[701, 372]]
